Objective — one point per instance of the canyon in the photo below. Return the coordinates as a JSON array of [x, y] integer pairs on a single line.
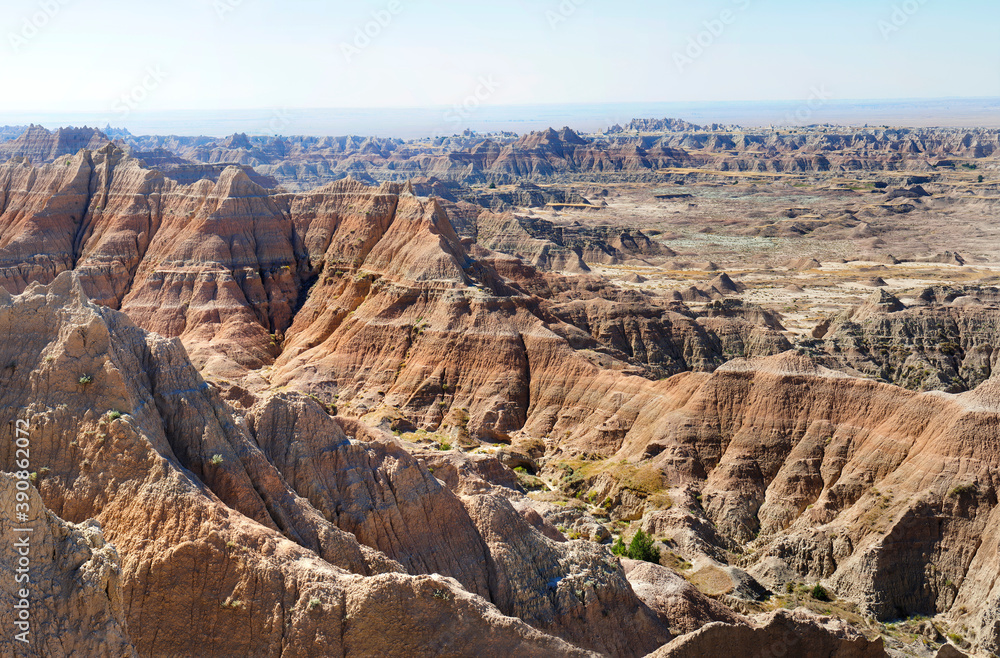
[[364, 396]]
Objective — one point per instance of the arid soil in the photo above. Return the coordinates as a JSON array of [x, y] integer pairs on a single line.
[[276, 409]]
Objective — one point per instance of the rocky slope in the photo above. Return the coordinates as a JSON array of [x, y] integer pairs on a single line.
[[943, 339], [203, 520], [782, 633], [69, 588], [887, 495], [41, 146], [637, 152], [348, 291], [252, 505]]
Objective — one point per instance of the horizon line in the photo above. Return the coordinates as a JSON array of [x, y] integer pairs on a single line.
[[832, 101]]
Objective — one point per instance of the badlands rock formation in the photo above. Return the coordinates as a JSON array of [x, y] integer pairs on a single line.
[[252, 351], [73, 588], [781, 634], [638, 152], [944, 340], [223, 552], [351, 291]]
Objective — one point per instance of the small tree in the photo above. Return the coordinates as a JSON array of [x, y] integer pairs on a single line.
[[819, 593], [642, 548]]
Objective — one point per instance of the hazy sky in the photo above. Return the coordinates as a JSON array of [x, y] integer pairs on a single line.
[[84, 55]]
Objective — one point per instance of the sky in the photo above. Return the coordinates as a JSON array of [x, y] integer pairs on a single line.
[[119, 56]]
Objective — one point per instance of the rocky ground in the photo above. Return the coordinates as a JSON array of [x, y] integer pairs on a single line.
[[413, 418]]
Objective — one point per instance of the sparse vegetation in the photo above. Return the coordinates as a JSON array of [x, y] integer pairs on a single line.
[[964, 490], [819, 593], [640, 548], [216, 460], [85, 379]]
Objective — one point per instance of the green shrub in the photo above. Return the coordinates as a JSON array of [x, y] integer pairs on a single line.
[[819, 593], [216, 460], [85, 379], [640, 548], [114, 415]]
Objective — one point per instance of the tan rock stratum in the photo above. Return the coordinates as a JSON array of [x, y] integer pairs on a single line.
[[212, 374]]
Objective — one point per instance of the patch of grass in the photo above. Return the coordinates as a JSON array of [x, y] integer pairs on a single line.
[[677, 563], [216, 460], [114, 415], [964, 490], [85, 379], [661, 501]]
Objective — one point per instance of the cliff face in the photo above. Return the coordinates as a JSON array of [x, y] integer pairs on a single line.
[[944, 341], [367, 294], [247, 491], [639, 152], [72, 579], [887, 494], [41, 146], [244, 523]]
